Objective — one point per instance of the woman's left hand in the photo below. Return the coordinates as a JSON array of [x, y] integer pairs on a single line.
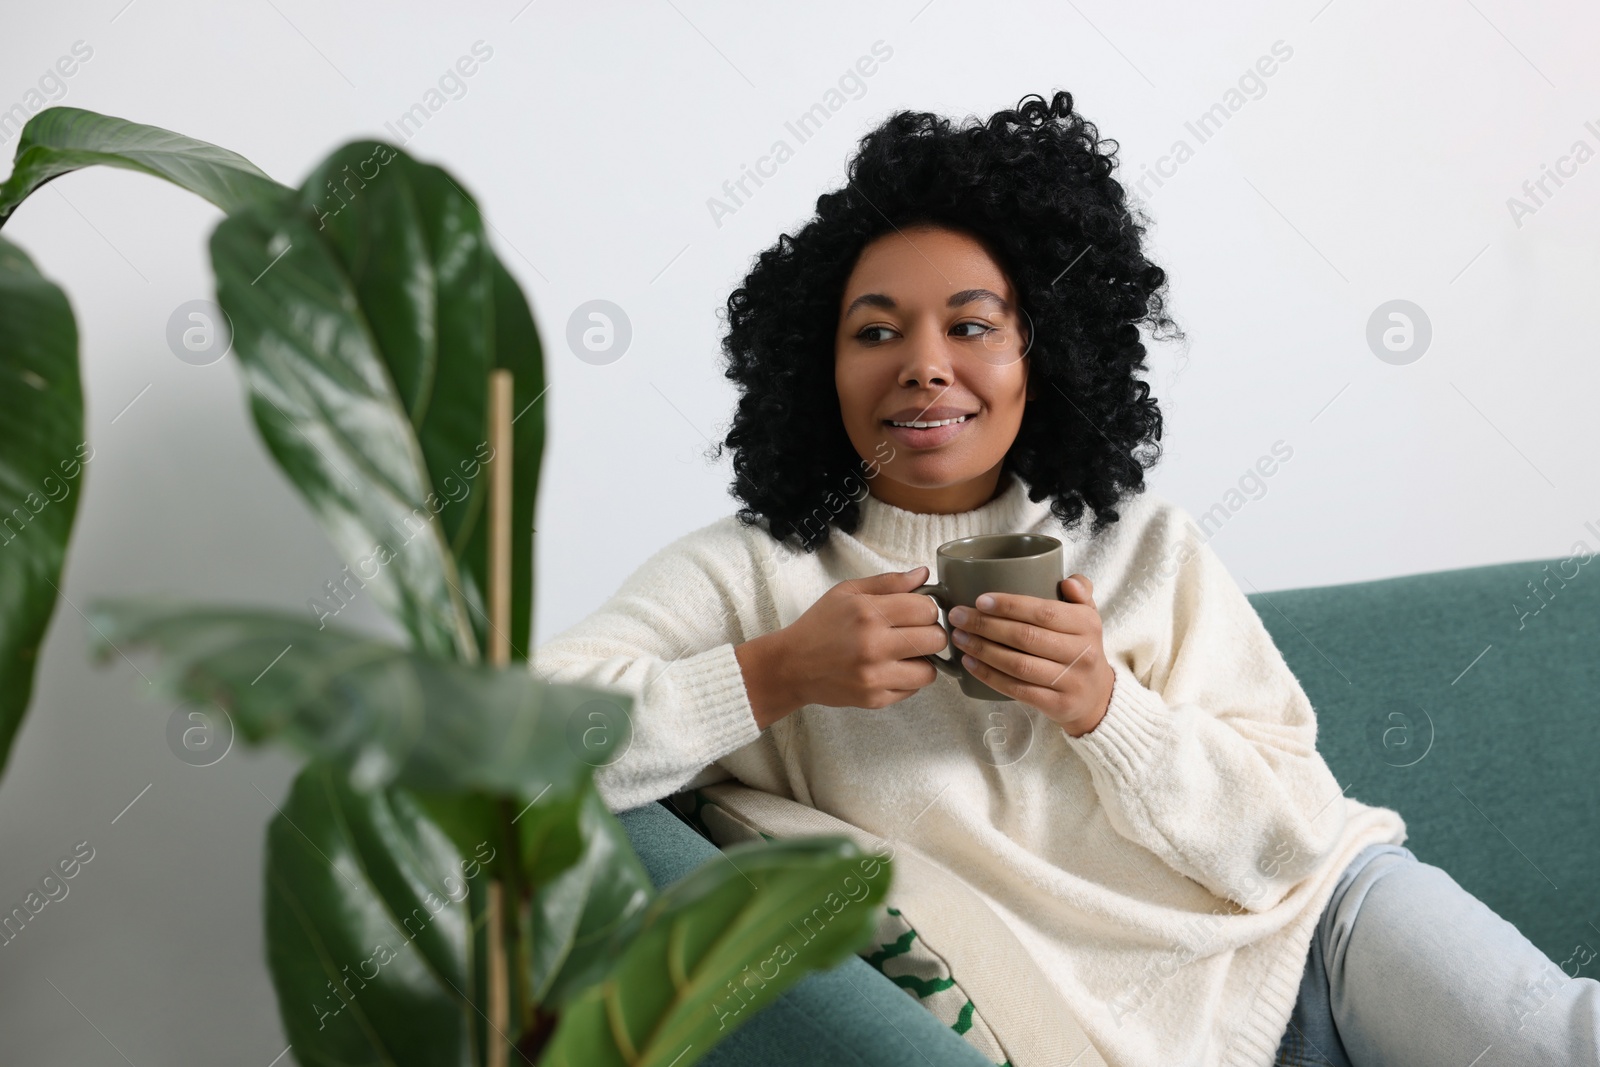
[[1044, 653]]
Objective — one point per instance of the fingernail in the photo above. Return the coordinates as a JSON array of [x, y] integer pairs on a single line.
[[958, 615], [985, 602]]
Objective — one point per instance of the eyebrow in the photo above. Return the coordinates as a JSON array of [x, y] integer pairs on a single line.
[[965, 296]]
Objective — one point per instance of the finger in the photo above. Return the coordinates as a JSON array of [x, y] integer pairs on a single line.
[[1037, 696], [1078, 589], [903, 620], [908, 609], [906, 677], [921, 641], [888, 582], [1040, 670], [1031, 610], [1026, 637], [1034, 696], [909, 675], [912, 641]]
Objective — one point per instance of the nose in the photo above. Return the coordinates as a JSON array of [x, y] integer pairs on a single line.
[[927, 360]]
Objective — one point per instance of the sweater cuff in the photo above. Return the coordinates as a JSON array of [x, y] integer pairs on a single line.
[[717, 710], [1136, 724]]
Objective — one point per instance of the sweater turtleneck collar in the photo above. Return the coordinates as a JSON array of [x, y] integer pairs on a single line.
[[895, 533]]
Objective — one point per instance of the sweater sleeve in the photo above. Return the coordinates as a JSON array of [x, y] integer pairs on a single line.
[[666, 640], [1207, 753]]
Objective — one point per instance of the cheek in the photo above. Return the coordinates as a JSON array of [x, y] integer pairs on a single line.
[[1017, 385], [1004, 389], [855, 394]]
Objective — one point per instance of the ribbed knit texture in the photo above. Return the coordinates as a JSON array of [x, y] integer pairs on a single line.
[[1165, 869]]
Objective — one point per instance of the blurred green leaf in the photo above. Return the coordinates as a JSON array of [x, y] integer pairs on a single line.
[[373, 928], [388, 715], [718, 946], [42, 452], [583, 913], [585, 884]]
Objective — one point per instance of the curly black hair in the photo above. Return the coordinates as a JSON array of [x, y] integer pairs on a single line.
[[1032, 184]]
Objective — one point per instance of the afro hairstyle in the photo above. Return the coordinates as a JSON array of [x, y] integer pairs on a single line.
[[1034, 185]]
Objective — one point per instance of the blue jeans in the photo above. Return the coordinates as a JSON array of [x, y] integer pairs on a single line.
[[1430, 975]]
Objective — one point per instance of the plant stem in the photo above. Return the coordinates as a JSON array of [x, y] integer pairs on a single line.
[[497, 1038], [519, 936], [516, 936]]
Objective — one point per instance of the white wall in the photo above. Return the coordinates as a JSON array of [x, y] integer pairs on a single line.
[[1376, 164]]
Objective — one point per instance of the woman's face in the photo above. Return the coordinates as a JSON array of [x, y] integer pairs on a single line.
[[929, 329]]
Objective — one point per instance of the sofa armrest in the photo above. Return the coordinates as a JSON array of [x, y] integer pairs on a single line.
[[850, 1015], [1465, 700]]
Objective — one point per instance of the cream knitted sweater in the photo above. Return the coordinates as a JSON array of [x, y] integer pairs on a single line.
[[1165, 869]]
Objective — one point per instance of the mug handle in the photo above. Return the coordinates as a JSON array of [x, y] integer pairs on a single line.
[[947, 664]]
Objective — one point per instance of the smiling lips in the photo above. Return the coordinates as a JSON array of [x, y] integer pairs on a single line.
[[932, 428], [927, 413]]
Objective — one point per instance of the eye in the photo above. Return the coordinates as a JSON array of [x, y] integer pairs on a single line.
[[983, 328]]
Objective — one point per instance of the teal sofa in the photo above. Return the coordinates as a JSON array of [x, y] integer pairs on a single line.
[[1467, 700]]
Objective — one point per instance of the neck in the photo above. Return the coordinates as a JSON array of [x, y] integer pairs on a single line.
[[914, 537], [940, 499]]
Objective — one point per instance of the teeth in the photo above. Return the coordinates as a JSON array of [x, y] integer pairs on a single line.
[[926, 425]]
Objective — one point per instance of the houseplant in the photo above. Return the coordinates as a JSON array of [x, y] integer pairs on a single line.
[[443, 883]]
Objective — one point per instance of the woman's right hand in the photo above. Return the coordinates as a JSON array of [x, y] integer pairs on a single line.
[[859, 646]]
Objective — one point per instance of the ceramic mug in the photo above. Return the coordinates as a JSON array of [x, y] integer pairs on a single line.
[[1031, 564]]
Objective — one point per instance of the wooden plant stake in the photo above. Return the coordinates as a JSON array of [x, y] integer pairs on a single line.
[[499, 656]]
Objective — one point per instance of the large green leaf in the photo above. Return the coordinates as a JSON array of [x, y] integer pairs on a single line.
[[582, 913], [42, 452], [388, 715], [368, 311], [42, 442], [60, 140], [586, 886], [720, 945], [374, 928], [443, 311], [329, 413]]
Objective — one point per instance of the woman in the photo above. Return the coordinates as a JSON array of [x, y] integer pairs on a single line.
[[949, 348]]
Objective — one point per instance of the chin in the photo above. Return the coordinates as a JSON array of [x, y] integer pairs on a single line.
[[931, 473]]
